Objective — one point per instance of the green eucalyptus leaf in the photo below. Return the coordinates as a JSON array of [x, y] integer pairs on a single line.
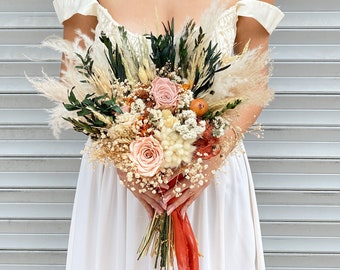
[[70, 107]]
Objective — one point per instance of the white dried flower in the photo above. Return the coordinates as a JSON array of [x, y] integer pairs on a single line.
[[168, 118], [176, 149], [185, 100], [187, 125], [138, 106], [142, 75], [219, 124]]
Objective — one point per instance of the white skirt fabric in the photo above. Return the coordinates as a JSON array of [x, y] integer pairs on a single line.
[[108, 222]]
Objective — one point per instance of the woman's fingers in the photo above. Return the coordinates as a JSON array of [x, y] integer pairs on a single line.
[[187, 203], [164, 187], [150, 201], [179, 188], [188, 196], [181, 200], [147, 207], [153, 201]]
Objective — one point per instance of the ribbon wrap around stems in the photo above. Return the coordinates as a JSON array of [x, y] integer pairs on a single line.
[[185, 242]]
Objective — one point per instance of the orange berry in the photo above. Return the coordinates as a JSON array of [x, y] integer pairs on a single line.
[[199, 106]]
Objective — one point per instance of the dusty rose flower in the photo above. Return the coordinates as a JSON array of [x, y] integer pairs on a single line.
[[147, 153], [165, 92]]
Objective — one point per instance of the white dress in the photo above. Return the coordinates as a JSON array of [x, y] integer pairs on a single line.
[[108, 222]]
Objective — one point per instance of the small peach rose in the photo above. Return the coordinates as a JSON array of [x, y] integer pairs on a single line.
[[147, 154], [165, 92], [125, 108]]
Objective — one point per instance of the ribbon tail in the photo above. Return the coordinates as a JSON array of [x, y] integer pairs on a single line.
[[192, 244], [180, 241], [185, 243]]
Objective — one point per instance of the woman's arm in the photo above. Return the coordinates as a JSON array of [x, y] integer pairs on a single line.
[[85, 24], [248, 29]]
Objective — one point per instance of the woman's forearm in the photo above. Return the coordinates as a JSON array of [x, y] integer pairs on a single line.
[[240, 120]]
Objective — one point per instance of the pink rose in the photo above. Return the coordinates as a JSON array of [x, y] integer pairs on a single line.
[[165, 92], [147, 153]]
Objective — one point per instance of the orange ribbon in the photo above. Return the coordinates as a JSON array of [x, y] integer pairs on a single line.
[[186, 249]]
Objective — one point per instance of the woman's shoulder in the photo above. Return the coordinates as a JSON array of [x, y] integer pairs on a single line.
[[267, 14], [65, 9]]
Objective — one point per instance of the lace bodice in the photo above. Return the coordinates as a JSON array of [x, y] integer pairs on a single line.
[[222, 30]]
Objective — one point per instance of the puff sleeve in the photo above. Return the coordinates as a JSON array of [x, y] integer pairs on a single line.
[[266, 14], [65, 9]]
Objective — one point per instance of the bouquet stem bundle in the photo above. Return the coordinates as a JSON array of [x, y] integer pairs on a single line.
[[166, 235]]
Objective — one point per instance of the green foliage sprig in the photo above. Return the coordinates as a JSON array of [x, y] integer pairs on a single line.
[[163, 47], [93, 110], [86, 64], [211, 64], [210, 115], [164, 55], [114, 57], [184, 59]]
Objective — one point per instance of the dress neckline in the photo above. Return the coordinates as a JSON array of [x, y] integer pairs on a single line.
[[226, 12]]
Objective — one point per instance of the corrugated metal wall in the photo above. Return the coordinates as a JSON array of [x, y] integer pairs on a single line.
[[296, 166], [38, 174]]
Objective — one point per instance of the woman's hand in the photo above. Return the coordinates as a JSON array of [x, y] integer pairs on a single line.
[[189, 195], [151, 202]]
